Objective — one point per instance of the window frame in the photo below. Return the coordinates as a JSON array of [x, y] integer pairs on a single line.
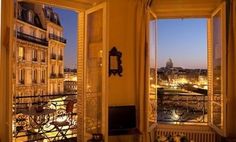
[[222, 132]]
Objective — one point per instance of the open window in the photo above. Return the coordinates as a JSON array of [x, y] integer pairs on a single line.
[[217, 69], [215, 13]]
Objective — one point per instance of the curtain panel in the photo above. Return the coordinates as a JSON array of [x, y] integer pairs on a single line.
[[231, 70], [142, 63]]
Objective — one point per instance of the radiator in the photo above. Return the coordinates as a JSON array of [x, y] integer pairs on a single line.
[[193, 133]]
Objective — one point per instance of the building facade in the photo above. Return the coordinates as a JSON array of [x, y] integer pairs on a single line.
[[38, 63]]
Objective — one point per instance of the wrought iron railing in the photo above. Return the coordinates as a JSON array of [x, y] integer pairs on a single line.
[[53, 56], [53, 75], [34, 59], [43, 60], [30, 38], [60, 57], [39, 126], [181, 108], [57, 38], [60, 75]]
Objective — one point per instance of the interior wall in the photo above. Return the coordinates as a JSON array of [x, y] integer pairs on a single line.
[[5, 90], [121, 35]]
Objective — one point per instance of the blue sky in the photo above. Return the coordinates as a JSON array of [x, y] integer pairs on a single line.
[[182, 40], [69, 21]]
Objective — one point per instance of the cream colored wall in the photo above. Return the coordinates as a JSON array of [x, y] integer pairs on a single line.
[[121, 35]]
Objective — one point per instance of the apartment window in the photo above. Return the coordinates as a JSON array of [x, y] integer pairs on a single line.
[[42, 56], [43, 76], [34, 55], [21, 53], [30, 17], [52, 69], [22, 76], [34, 76]]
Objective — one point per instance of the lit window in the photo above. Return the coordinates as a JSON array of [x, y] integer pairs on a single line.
[[21, 53]]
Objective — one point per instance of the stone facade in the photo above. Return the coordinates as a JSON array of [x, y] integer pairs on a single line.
[[38, 55]]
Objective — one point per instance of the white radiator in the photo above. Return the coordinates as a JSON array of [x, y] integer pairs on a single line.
[[194, 133]]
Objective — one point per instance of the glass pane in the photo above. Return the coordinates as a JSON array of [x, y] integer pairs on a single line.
[[217, 43], [217, 120], [153, 73], [217, 58], [94, 72]]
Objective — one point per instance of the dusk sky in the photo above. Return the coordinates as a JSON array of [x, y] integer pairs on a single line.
[[69, 23], [182, 40]]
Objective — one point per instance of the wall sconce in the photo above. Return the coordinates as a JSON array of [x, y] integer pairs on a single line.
[[115, 62]]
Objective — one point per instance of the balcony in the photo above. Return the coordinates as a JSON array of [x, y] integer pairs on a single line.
[[33, 39], [53, 75], [21, 82], [34, 81], [42, 80], [60, 57], [181, 108], [53, 56], [43, 60], [34, 59], [60, 75], [27, 110], [57, 38]]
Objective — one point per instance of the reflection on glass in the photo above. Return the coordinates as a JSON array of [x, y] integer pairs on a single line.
[[217, 90], [153, 74], [217, 115], [94, 73]]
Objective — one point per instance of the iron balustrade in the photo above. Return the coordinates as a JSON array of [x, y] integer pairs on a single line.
[[60, 75], [53, 56], [181, 108], [33, 39], [25, 128], [34, 59], [57, 38], [53, 75], [43, 60], [60, 57], [21, 81]]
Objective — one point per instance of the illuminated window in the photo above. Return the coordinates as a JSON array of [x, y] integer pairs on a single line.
[[21, 53]]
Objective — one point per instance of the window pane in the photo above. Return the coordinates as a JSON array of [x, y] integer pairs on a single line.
[[217, 65]]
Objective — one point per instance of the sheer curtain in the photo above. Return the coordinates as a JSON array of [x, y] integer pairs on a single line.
[[231, 68], [142, 63]]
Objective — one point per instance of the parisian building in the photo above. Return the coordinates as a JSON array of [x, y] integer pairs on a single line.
[[38, 55]]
